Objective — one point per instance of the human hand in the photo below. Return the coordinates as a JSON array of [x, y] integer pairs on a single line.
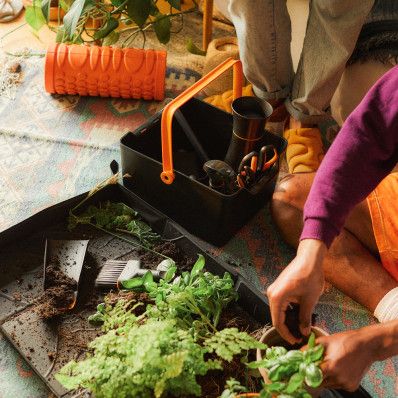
[[301, 282], [347, 357]]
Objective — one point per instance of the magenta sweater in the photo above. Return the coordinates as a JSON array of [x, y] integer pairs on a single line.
[[363, 153]]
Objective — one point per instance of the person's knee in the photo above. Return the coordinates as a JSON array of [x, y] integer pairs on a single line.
[[287, 205], [293, 189]]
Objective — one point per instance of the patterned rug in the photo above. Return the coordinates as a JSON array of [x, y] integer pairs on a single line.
[[53, 147]]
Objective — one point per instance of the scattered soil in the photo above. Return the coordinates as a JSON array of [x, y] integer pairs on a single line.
[[131, 297], [55, 277], [54, 301], [75, 333], [59, 296], [151, 260], [15, 68]]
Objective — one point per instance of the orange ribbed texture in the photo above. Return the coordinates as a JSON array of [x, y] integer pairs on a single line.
[[105, 71]]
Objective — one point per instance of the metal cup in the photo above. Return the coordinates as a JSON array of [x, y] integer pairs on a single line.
[[249, 117]]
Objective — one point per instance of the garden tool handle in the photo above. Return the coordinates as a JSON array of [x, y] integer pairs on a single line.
[[270, 162], [167, 174]]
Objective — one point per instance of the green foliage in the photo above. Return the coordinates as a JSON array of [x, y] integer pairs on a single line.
[[162, 27], [72, 17], [138, 11], [194, 49], [175, 3], [161, 353], [45, 8], [119, 316], [290, 371], [116, 217], [144, 361], [195, 299], [110, 25], [138, 15], [230, 342], [34, 17], [232, 388], [111, 38]]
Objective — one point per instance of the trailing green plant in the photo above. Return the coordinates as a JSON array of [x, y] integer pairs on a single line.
[[290, 372], [116, 217], [113, 18]]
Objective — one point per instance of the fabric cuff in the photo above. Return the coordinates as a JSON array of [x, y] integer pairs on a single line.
[[320, 230], [265, 95]]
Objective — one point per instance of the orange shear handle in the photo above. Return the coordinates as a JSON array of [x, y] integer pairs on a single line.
[[270, 162], [167, 174]]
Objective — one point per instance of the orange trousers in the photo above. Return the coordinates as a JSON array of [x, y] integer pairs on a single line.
[[383, 207]]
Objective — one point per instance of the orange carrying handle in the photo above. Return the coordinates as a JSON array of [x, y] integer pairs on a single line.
[[167, 174]]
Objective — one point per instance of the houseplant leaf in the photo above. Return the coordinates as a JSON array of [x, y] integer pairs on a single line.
[[311, 341], [59, 38], [295, 383], [72, 17], [162, 26], [198, 266], [65, 4], [34, 17], [313, 376], [110, 25], [112, 38], [138, 11], [175, 4], [45, 8], [133, 283], [117, 3], [194, 49]]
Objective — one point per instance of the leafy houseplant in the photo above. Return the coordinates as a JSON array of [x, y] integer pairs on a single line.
[[162, 351], [103, 21]]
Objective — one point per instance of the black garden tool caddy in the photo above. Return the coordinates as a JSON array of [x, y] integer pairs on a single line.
[[165, 170]]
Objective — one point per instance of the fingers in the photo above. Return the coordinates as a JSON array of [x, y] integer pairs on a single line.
[[333, 379], [278, 307], [305, 316]]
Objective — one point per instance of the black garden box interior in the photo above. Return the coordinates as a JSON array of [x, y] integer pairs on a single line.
[[189, 200]]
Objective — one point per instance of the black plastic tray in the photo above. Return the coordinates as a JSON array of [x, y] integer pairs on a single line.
[[203, 211], [22, 327]]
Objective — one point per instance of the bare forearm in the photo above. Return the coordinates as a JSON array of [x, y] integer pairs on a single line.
[[382, 339]]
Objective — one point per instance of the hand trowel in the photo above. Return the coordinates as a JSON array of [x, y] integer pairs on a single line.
[[63, 263]]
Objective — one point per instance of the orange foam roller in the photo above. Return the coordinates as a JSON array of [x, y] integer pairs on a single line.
[[105, 71]]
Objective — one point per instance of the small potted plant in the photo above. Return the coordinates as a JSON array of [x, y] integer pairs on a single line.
[[290, 372], [102, 22], [287, 373]]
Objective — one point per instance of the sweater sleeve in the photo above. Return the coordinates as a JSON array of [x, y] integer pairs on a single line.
[[363, 153]]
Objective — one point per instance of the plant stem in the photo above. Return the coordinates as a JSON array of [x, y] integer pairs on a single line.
[[129, 241], [12, 31], [120, 7]]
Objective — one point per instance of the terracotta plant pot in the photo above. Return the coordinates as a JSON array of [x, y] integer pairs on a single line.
[[105, 71], [271, 337], [248, 395]]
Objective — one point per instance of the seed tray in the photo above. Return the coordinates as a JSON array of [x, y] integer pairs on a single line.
[[48, 345]]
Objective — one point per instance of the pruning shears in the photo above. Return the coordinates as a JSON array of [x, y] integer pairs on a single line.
[[255, 164]]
